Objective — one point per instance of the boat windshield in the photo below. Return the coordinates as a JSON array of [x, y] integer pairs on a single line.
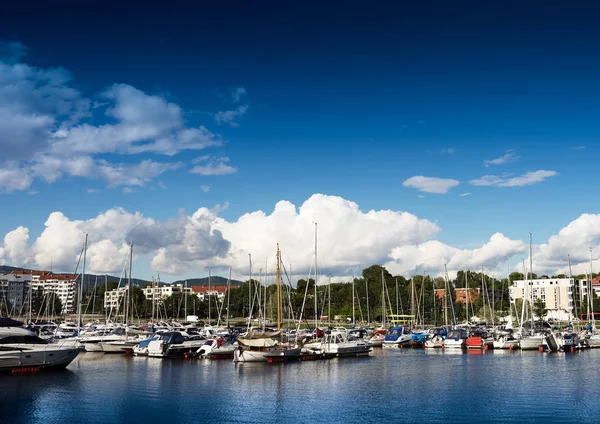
[[22, 340]]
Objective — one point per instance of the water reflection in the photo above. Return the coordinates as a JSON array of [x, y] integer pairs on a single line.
[[428, 383]]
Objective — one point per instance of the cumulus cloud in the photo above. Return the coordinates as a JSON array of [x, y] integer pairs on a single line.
[[433, 255], [212, 166], [526, 179], [49, 130], [347, 237], [431, 184], [509, 157], [574, 240]]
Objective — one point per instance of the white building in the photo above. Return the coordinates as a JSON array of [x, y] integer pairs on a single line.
[[562, 296], [62, 285], [160, 292], [14, 290], [114, 299]]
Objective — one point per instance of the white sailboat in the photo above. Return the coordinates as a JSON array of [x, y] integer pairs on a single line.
[[266, 349]]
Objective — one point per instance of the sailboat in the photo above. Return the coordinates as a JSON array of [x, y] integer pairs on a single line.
[[127, 341], [266, 349]]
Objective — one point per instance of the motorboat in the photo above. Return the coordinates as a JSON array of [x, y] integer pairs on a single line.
[[397, 336], [174, 343], [456, 339], [336, 345], [22, 350]]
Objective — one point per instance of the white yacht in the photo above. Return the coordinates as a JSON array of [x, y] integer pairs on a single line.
[[336, 344], [21, 349]]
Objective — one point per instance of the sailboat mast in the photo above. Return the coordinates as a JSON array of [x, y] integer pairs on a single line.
[[278, 281], [329, 303], [591, 293], [531, 278], [80, 294], [316, 279], [353, 278], [129, 285], [208, 294], [382, 300], [228, 296]]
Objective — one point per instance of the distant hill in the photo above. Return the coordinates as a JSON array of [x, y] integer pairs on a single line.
[[91, 279], [6, 269], [214, 281]]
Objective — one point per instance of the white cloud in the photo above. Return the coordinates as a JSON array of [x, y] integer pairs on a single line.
[[14, 179], [431, 184], [43, 134], [213, 166], [526, 179], [578, 147], [448, 151], [144, 123], [229, 116], [464, 194], [575, 240], [432, 255], [347, 238], [509, 157], [205, 188]]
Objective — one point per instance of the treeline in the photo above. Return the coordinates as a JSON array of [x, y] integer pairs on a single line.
[[402, 296]]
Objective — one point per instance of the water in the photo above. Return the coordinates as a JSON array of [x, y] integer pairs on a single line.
[[406, 385]]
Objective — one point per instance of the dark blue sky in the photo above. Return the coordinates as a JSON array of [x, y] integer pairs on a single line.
[[347, 98]]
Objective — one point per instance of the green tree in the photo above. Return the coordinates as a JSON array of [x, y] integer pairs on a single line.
[[539, 309]]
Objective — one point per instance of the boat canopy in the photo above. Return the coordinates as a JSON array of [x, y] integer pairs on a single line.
[[257, 342]]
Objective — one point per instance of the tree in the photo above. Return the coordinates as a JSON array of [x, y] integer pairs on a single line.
[[539, 309]]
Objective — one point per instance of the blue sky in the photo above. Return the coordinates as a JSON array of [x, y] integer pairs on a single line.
[[349, 99]]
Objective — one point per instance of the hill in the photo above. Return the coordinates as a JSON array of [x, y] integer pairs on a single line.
[[214, 281]]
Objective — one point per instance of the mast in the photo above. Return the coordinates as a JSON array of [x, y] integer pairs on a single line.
[[353, 278], [185, 299], [80, 294], [152, 284], [467, 293], [531, 279], [397, 299], [316, 279], [208, 293], [228, 296], [278, 281], [591, 293], [525, 286], [329, 304], [412, 300], [129, 286], [367, 290], [382, 300]]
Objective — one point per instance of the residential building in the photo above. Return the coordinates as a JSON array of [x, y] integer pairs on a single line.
[[561, 296], [461, 294], [113, 299], [62, 285], [160, 292], [203, 292], [14, 292]]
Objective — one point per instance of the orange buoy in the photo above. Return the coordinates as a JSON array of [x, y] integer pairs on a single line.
[[540, 348], [511, 347], [572, 349]]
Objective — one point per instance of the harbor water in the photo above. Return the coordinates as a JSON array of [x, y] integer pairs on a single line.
[[395, 385]]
